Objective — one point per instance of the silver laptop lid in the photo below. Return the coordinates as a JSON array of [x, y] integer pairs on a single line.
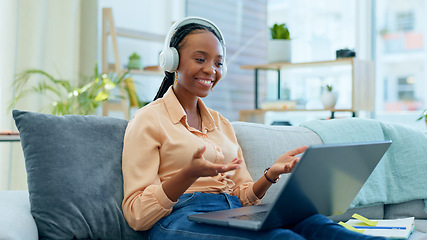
[[326, 180]]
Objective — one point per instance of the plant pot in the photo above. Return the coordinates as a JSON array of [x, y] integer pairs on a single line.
[[279, 50], [135, 64], [329, 100]]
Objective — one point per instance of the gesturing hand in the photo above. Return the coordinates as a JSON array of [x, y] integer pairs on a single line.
[[285, 163], [200, 167]]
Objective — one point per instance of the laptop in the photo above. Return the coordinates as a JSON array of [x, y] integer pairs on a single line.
[[326, 180]]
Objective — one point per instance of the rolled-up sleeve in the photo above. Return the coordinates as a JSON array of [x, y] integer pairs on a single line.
[[144, 201]]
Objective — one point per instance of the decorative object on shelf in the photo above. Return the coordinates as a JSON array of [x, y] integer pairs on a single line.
[[423, 116], [135, 61], [328, 98], [279, 46], [134, 100], [81, 97], [345, 53], [279, 105]]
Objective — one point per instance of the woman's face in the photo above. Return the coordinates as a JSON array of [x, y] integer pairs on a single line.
[[200, 63]]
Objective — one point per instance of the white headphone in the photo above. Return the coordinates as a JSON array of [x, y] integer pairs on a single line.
[[169, 57]]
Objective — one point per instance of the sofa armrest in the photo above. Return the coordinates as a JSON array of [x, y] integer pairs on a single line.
[[16, 221]]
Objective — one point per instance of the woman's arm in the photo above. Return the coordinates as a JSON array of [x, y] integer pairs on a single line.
[[284, 164]]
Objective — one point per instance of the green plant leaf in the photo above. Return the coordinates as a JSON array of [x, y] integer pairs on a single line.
[[280, 31], [423, 115], [82, 96], [101, 96]]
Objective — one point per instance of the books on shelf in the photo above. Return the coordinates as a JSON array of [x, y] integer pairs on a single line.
[[279, 105], [390, 228]]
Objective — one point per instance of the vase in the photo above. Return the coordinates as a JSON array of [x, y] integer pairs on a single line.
[[329, 100], [279, 50]]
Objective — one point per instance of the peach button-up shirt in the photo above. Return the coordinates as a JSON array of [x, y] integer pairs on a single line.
[[158, 143]]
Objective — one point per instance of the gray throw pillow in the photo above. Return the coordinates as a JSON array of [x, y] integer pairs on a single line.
[[74, 175]]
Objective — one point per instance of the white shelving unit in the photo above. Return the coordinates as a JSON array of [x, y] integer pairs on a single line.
[[362, 86]]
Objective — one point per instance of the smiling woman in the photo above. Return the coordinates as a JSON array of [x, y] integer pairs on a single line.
[[181, 157]]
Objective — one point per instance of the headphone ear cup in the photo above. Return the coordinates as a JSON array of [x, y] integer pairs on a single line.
[[224, 71], [169, 59]]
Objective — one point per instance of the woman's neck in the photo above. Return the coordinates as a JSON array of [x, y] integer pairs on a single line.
[[189, 104], [187, 100]]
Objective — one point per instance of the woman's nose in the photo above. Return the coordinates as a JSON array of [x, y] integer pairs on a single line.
[[209, 69]]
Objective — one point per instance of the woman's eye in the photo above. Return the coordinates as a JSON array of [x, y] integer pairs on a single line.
[[219, 64], [200, 60]]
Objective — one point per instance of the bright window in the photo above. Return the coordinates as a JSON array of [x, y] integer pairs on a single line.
[[400, 56], [317, 29]]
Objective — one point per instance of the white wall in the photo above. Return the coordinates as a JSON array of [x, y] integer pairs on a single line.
[[8, 20], [243, 24], [35, 34], [61, 38]]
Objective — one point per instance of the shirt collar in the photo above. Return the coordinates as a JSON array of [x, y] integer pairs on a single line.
[[176, 111]]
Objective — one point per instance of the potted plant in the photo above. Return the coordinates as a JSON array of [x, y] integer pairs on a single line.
[[279, 46], [423, 116], [82, 98], [328, 98], [135, 61]]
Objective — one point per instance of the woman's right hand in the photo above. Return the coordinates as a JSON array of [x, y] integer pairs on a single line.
[[175, 186], [200, 167]]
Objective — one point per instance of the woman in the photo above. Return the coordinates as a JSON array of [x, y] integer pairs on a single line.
[[181, 158]]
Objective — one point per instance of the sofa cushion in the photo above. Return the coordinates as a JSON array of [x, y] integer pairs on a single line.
[[421, 226], [372, 212], [400, 176], [16, 221], [406, 163], [262, 144], [74, 175], [414, 208]]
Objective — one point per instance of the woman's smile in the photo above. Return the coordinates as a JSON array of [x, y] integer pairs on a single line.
[[205, 82]]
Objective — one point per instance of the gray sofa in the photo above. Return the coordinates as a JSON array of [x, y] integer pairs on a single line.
[[75, 184]]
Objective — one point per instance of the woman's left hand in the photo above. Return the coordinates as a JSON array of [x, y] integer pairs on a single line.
[[285, 163]]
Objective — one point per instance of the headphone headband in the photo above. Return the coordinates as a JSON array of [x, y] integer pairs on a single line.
[[189, 20], [169, 57]]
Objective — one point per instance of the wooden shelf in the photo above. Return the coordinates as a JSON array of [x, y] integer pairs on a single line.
[[295, 110], [140, 72], [146, 72], [279, 66], [257, 115], [129, 33], [109, 30], [362, 83]]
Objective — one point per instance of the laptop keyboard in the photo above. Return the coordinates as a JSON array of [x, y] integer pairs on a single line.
[[259, 216]]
